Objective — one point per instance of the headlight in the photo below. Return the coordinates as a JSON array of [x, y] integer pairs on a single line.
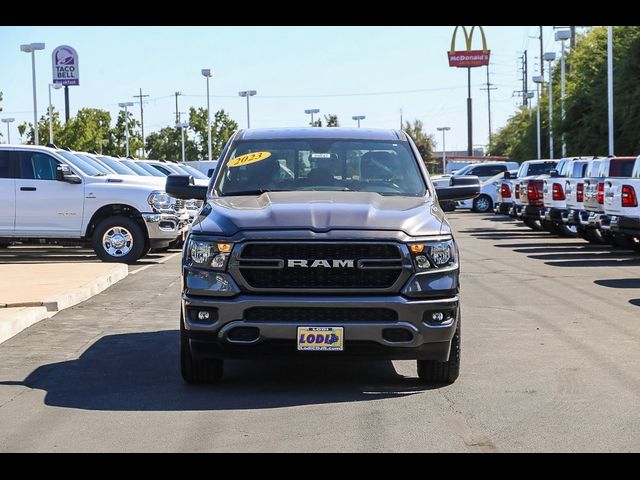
[[161, 202], [432, 255], [207, 254]]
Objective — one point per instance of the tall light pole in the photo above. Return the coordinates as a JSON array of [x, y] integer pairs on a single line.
[[550, 57], [610, 85], [8, 121], [562, 35], [530, 95], [538, 80], [311, 111], [183, 125], [126, 122], [208, 73], [444, 130], [248, 93], [358, 118], [31, 48], [56, 86]]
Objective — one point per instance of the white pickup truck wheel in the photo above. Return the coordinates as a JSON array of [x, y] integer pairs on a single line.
[[118, 239], [482, 204]]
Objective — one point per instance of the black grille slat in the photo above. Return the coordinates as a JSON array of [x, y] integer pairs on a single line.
[[323, 277], [320, 315]]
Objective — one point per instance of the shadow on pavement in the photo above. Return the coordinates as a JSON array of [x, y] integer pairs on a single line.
[[542, 245], [626, 262], [581, 255], [635, 301], [140, 372], [619, 283]]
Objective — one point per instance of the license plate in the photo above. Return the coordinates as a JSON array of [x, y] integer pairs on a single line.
[[321, 338]]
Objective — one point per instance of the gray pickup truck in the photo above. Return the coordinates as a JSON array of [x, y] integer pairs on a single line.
[[324, 242]]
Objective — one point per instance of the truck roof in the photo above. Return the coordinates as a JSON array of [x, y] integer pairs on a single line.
[[337, 133]]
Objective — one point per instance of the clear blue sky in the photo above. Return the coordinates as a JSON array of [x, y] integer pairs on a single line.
[[373, 71]]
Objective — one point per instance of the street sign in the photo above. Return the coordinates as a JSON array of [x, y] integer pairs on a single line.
[[468, 58], [65, 66]]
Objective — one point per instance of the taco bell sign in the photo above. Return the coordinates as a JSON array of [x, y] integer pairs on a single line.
[[65, 66]]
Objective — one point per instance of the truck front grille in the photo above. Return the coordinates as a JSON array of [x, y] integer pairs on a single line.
[[320, 315], [374, 265]]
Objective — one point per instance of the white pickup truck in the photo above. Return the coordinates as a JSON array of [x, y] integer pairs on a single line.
[[593, 217], [529, 168], [53, 196], [621, 206]]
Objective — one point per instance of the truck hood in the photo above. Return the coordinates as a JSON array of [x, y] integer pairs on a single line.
[[321, 212], [131, 179]]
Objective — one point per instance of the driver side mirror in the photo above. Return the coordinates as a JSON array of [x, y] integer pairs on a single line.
[[183, 187], [460, 188], [554, 173], [65, 174], [508, 175]]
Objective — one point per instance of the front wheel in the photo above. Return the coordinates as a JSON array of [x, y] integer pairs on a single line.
[[567, 230], [118, 239], [482, 204], [196, 371], [432, 371], [533, 224]]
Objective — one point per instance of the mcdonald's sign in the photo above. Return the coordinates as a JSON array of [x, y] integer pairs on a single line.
[[468, 58]]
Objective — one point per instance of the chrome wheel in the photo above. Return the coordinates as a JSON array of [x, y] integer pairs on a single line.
[[482, 204], [117, 241]]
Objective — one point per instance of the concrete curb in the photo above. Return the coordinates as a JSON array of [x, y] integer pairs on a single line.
[[15, 317], [14, 320]]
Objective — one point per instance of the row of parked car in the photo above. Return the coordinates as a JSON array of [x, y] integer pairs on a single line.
[[595, 198], [119, 206]]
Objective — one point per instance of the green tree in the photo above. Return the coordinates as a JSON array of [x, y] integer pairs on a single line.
[[331, 120], [116, 141], [585, 127], [166, 144], [424, 141], [222, 127], [89, 130]]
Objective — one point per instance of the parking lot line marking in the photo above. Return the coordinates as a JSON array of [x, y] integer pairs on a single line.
[[133, 272], [168, 257]]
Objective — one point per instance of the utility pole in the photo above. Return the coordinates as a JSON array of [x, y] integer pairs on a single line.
[[541, 55], [140, 97], [610, 87], [525, 78], [400, 119], [572, 41], [488, 89], [177, 94]]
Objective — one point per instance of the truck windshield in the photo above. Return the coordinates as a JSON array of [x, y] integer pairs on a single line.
[[195, 173], [116, 166], [387, 168], [136, 168], [540, 168], [80, 164]]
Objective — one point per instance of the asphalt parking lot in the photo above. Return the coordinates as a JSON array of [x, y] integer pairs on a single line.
[[52, 253], [550, 362]]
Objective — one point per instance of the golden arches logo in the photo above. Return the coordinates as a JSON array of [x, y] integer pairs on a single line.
[[468, 58], [468, 38]]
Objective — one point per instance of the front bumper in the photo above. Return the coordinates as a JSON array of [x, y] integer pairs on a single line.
[[626, 225], [163, 228], [361, 338]]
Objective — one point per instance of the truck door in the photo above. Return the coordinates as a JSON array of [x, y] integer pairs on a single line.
[[44, 205], [7, 194]]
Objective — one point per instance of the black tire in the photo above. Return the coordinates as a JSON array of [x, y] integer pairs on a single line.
[[621, 240], [591, 235], [635, 243], [432, 371], [550, 227], [565, 230], [533, 224], [482, 204], [4, 244], [136, 248], [209, 370]]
